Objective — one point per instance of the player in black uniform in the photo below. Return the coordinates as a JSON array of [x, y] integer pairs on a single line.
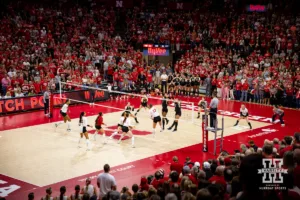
[[165, 111], [128, 109], [170, 81], [243, 115], [188, 86], [192, 90], [182, 85], [177, 115], [144, 102], [176, 84], [197, 85], [201, 105]]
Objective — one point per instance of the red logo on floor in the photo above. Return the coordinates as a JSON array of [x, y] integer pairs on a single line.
[[112, 129]]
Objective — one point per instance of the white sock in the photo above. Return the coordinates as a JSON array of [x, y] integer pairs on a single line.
[[69, 125], [115, 133], [95, 134], [88, 143], [104, 138], [153, 131], [132, 140], [79, 140], [61, 122]]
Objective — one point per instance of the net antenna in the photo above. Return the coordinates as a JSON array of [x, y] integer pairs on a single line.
[[188, 108]]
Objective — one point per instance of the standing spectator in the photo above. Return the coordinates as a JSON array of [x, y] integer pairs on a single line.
[[89, 188], [46, 101], [175, 165], [105, 68], [106, 182], [164, 79], [245, 88], [208, 83], [5, 83]]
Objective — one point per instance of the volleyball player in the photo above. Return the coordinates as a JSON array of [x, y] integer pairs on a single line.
[[128, 109], [98, 123], [278, 113], [177, 115], [197, 85], [154, 114], [176, 83], [192, 90], [83, 123], [202, 104], [120, 125], [64, 113], [144, 102], [170, 81], [127, 129], [188, 86], [165, 111], [243, 115], [182, 85]]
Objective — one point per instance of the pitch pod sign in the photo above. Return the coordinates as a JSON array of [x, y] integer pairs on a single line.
[[37, 102]]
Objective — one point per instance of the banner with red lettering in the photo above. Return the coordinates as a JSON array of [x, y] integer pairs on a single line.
[[180, 6], [21, 104], [256, 8], [204, 134]]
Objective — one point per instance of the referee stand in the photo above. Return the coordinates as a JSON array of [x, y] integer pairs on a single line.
[[218, 133]]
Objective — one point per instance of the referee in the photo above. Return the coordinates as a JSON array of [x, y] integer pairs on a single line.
[[213, 110], [46, 101]]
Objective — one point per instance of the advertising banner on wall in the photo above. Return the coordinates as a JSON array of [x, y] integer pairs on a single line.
[[21, 104]]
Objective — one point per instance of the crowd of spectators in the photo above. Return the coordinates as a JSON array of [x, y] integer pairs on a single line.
[[230, 177], [244, 56]]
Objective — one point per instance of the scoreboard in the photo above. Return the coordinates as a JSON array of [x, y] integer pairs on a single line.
[[156, 50]]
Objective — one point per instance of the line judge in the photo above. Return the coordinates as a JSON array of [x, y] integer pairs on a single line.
[[46, 102], [213, 110]]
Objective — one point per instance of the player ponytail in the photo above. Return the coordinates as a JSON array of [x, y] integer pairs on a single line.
[[125, 117], [62, 192], [80, 118]]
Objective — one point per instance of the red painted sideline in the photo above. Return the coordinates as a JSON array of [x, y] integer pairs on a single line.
[[130, 173]]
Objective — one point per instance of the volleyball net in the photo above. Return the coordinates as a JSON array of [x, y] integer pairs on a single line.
[[93, 96]]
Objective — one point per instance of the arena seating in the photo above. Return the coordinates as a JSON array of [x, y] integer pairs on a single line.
[[248, 56]]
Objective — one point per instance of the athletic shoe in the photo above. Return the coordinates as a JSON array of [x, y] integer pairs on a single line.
[[119, 141], [69, 130], [169, 128], [56, 125], [282, 125], [132, 146], [174, 130]]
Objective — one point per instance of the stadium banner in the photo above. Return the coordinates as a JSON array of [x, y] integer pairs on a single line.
[[256, 8], [21, 104], [156, 50], [119, 3], [180, 6]]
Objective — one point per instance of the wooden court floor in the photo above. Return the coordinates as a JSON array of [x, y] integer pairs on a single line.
[[43, 155]]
